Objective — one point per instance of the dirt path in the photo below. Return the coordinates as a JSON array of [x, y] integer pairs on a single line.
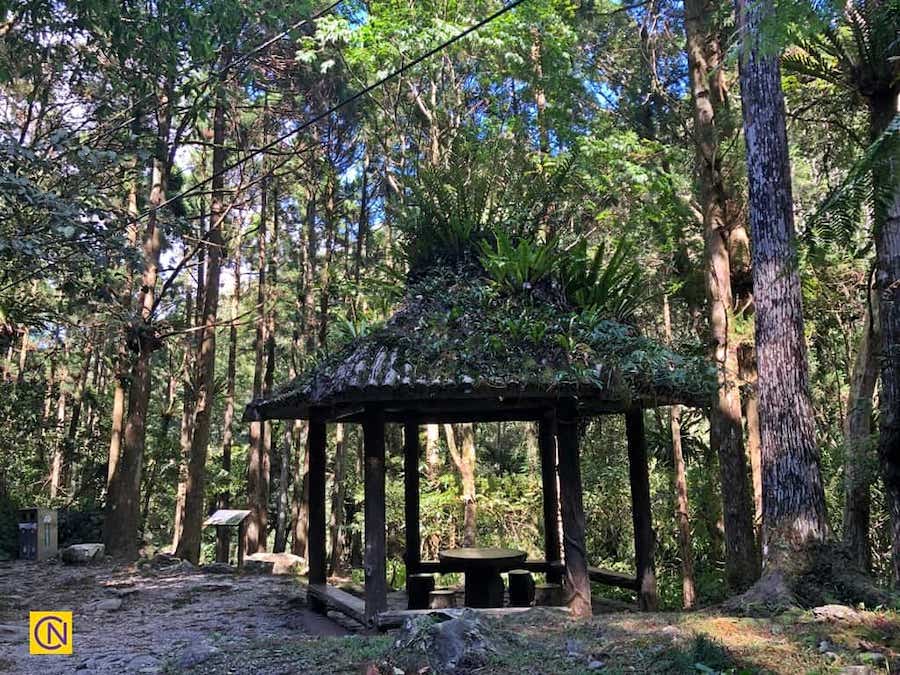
[[129, 621]]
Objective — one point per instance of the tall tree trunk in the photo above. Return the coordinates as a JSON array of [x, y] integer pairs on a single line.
[[300, 504], [793, 497], [282, 516], [859, 459], [747, 361], [122, 521], [338, 491], [67, 471], [23, 356], [432, 449], [325, 275], [257, 492], [223, 501], [461, 443], [726, 429], [682, 507], [883, 107], [187, 417], [123, 358], [189, 543], [56, 466], [305, 345], [362, 228]]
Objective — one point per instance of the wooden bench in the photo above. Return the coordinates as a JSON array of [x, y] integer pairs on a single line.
[[323, 596], [611, 578]]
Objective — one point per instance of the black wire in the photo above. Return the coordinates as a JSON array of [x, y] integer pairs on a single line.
[[308, 123], [347, 101], [215, 74]]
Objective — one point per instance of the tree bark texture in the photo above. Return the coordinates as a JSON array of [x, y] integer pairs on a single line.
[[793, 497], [120, 527], [461, 443], [859, 445], [682, 507], [189, 543], [707, 77], [883, 108]]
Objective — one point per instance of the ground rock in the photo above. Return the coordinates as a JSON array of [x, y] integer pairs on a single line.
[[282, 563], [12, 631], [106, 605], [82, 553], [194, 655], [872, 658], [258, 567], [218, 568], [836, 613], [144, 664], [460, 643]]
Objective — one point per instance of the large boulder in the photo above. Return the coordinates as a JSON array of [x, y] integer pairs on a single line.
[[282, 563], [462, 643], [82, 553]]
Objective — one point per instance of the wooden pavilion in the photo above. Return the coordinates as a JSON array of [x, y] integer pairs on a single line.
[[461, 350]]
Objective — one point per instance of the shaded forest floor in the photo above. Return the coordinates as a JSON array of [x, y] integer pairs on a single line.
[[183, 620]]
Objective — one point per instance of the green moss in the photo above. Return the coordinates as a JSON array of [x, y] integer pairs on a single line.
[[456, 326]]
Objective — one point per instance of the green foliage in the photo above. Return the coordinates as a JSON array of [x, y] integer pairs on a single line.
[[609, 288], [520, 266], [448, 213]]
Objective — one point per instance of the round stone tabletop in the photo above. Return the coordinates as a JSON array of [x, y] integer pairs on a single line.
[[474, 558]]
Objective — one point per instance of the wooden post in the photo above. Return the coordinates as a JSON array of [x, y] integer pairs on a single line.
[[316, 441], [547, 446], [240, 544], [578, 584], [639, 476], [411, 494], [375, 556]]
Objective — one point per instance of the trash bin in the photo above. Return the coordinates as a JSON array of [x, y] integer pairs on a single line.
[[38, 534]]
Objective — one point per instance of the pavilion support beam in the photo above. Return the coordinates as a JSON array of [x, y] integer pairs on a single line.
[[375, 559], [578, 584], [547, 446], [639, 476], [411, 452], [316, 442]]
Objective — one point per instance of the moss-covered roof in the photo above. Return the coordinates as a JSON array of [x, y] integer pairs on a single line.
[[457, 337]]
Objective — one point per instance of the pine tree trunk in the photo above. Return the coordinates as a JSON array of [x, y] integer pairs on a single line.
[[122, 521], [56, 466], [682, 507], [255, 531], [338, 487], [189, 543], [223, 501], [187, 418], [793, 497], [68, 469], [726, 428], [282, 516], [300, 506]]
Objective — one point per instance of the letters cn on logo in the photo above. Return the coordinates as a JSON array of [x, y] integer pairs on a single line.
[[50, 632]]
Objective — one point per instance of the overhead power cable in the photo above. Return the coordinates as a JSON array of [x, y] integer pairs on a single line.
[[215, 74], [310, 122], [345, 102]]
